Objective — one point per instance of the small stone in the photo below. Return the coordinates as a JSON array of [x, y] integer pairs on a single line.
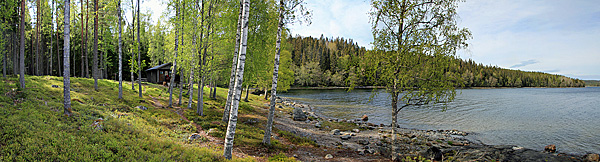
[[295, 156], [346, 137], [55, 86], [193, 137], [328, 156], [550, 148], [336, 132], [281, 107], [363, 142], [142, 107], [319, 124], [364, 118], [356, 130], [592, 157]]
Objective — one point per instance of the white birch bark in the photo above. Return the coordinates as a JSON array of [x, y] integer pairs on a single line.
[[199, 106], [233, 67], [67, 47], [120, 53], [191, 79], [174, 67], [233, 116], [268, 128]]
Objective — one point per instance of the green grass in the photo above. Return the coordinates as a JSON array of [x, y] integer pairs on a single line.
[[33, 128]]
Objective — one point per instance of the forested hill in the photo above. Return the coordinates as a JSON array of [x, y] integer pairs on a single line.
[[339, 62]]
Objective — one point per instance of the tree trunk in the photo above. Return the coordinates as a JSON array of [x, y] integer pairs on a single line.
[[5, 51], [66, 78], [267, 137], [138, 48], [191, 80], [57, 48], [200, 105], [233, 67], [132, 54], [22, 48], [82, 43], [233, 116], [37, 39], [247, 91], [265, 89], [394, 120], [174, 68], [182, 44], [120, 53], [87, 60], [51, 32], [95, 61]]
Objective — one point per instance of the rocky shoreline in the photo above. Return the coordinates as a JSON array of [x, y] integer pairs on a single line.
[[374, 141]]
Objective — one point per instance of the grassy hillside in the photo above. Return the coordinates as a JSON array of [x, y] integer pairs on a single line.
[[32, 126]]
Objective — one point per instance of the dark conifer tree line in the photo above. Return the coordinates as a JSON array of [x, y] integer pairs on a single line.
[[340, 62]]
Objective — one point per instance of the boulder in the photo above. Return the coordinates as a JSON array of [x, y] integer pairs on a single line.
[[335, 132], [356, 130], [299, 115], [434, 153], [251, 121], [328, 156], [550, 148], [364, 118], [592, 157]]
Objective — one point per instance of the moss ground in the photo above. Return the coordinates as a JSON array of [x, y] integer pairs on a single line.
[[33, 128]]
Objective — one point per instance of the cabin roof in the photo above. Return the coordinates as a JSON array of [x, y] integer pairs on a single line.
[[159, 67]]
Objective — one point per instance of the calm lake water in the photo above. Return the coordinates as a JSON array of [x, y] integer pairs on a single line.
[[527, 117]]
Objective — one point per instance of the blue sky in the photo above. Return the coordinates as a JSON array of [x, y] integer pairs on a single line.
[[553, 36]]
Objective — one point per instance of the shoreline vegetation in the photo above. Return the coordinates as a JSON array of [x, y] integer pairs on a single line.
[[451, 144], [105, 128]]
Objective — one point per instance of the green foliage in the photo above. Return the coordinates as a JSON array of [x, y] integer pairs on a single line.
[[35, 128], [281, 157]]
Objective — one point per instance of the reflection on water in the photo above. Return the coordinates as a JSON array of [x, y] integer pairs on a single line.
[[529, 117]]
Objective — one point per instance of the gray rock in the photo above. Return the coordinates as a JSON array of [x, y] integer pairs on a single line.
[[299, 115], [193, 137], [335, 132], [142, 107], [328, 156], [346, 137], [363, 142], [356, 130], [319, 124]]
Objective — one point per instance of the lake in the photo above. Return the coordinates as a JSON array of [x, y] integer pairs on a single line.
[[527, 117]]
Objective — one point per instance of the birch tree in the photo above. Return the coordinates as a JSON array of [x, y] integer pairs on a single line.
[[192, 67], [66, 79], [200, 105], [233, 116], [286, 8], [120, 52], [414, 42], [233, 67], [174, 67]]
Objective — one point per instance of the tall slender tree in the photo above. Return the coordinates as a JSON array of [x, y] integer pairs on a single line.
[[174, 67], [182, 45], [120, 52], [22, 48], [415, 41], [83, 46], [132, 53], [233, 66], [233, 116], [288, 10], [200, 106], [87, 24], [95, 61], [138, 50], [51, 31], [192, 67], [66, 77]]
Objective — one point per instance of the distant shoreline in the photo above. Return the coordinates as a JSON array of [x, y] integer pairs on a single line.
[[383, 87]]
